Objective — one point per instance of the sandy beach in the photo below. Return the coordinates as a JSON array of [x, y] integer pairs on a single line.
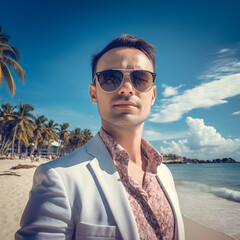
[[14, 192]]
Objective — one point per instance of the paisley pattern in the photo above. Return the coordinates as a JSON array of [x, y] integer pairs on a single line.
[[152, 211]]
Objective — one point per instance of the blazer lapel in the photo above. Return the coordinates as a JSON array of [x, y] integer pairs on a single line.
[[168, 190], [110, 183], [171, 194]]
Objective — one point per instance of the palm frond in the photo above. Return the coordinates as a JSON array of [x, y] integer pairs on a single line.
[[17, 53], [40, 120], [1, 75], [4, 38], [53, 126], [16, 67], [4, 47], [8, 78], [11, 54], [7, 108], [64, 126], [27, 109]]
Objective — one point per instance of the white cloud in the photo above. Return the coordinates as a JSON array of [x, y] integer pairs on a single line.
[[203, 96], [201, 136], [225, 50], [170, 91], [222, 81], [203, 142], [224, 66], [236, 113], [156, 136]]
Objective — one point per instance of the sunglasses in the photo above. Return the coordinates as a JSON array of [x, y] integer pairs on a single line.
[[110, 80]]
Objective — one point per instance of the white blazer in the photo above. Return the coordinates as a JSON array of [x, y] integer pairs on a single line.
[[81, 196]]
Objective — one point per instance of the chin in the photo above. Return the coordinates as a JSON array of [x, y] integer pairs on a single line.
[[127, 120]]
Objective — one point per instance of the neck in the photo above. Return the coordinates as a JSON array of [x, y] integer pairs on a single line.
[[129, 138]]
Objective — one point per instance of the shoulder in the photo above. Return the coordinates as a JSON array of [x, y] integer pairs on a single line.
[[162, 168], [77, 158], [68, 165], [75, 164], [164, 172]]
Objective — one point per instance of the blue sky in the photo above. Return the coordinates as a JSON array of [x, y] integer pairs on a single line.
[[197, 112]]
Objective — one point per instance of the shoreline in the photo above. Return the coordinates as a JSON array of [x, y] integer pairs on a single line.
[[13, 203], [197, 161], [197, 231]]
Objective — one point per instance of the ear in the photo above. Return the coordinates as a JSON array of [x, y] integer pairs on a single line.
[[93, 94], [154, 94]]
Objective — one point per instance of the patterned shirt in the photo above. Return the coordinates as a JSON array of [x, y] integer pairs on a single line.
[[152, 211]]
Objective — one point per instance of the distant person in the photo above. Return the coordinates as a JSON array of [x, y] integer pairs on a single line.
[[36, 158], [115, 186]]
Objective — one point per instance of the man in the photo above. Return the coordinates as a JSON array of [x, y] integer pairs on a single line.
[[114, 187]]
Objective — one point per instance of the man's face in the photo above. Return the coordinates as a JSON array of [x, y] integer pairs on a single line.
[[126, 106]]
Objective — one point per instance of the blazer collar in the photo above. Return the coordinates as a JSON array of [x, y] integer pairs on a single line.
[[110, 183]]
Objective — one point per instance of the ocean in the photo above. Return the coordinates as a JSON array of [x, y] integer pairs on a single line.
[[209, 193]]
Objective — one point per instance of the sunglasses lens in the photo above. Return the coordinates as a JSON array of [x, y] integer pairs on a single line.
[[142, 81], [110, 80]]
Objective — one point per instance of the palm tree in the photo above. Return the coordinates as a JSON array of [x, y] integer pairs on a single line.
[[87, 136], [23, 125], [78, 138], [9, 56], [7, 108], [24, 134], [39, 129], [6, 112], [18, 126], [75, 139], [63, 136], [50, 132]]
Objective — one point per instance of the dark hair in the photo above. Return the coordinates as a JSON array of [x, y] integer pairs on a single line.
[[126, 40]]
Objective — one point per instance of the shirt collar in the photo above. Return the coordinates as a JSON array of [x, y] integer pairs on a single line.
[[153, 157]]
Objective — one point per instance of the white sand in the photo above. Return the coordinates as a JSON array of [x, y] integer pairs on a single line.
[[14, 192]]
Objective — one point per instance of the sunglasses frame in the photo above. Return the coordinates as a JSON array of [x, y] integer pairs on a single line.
[[124, 72]]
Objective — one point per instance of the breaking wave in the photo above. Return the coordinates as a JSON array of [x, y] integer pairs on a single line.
[[220, 192]]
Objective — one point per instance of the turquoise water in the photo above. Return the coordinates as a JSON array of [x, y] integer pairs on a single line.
[[210, 194], [220, 179]]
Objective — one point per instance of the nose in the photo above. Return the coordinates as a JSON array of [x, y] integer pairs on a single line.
[[126, 87]]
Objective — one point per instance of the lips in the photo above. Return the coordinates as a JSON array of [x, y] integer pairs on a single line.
[[125, 104]]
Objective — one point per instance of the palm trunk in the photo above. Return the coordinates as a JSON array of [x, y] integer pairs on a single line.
[[7, 145], [3, 143], [14, 137], [48, 148], [40, 149], [59, 149], [19, 145]]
